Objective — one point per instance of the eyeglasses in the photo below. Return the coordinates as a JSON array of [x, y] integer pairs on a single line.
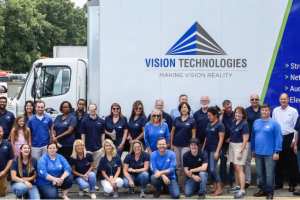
[[158, 116], [254, 99], [115, 108]]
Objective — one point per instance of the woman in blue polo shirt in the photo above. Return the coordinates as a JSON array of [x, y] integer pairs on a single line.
[[63, 129], [82, 168], [135, 168], [136, 122], [110, 169], [238, 149], [23, 174], [182, 132], [116, 127], [54, 172], [215, 132], [154, 129]]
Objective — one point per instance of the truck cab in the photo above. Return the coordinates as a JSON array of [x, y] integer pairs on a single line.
[[53, 81]]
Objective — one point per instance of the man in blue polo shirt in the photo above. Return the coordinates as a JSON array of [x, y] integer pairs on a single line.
[[40, 125], [266, 143], [163, 166], [6, 160], [92, 133], [7, 118]]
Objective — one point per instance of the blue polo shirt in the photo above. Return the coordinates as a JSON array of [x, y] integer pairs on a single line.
[[6, 153], [93, 130], [251, 117], [201, 124], [212, 135], [266, 137], [153, 132], [183, 131], [79, 116], [7, 120], [62, 125], [40, 130], [227, 122], [163, 162], [135, 127], [166, 118], [46, 166], [82, 165], [136, 164], [119, 127], [109, 167], [191, 162], [24, 167], [238, 130]]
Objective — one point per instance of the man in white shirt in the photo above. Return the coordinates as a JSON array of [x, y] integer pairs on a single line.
[[286, 116]]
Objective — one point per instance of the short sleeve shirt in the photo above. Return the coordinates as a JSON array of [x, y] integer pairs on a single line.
[[110, 167], [238, 130], [190, 161], [62, 125], [82, 165], [212, 135], [119, 127], [26, 171], [136, 164], [183, 131]]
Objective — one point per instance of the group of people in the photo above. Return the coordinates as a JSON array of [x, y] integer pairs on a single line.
[[177, 152]]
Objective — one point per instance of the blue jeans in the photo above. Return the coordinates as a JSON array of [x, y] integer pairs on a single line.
[[226, 177], [90, 183], [20, 189], [213, 167], [191, 186], [141, 179], [265, 166], [298, 159], [172, 187], [50, 191]]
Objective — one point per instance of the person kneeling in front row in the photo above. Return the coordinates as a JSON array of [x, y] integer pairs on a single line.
[[136, 166], [195, 168], [163, 165]]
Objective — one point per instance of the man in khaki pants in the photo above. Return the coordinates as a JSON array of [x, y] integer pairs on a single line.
[[6, 160]]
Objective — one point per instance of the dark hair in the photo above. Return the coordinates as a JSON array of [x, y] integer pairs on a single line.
[[135, 105], [3, 97], [226, 102], [39, 101], [161, 138], [33, 109], [187, 105], [51, 144], [194, 141], [214, 110], [265, 106], [243, 111], [183, 95], [20, 158], [62, 104], [116, 105]]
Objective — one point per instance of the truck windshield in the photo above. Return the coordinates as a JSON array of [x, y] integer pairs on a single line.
[[52, 81]]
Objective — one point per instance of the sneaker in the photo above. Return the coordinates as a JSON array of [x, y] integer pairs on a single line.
[[93, 196], [247, 185], [97, 188], [234, 189], [201, 195], [131, 190], [240, 194], [116, 195], [142, 194], [269, 196], [260, 193], [156, 194], [106, 194], [80, 193]]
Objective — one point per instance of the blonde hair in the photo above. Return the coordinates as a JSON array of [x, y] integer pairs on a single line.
[[114, 149], [136, 142], [161, 116], [76, 143]]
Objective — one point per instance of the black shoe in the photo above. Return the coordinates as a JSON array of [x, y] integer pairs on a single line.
[[260, 193], [296, 193], [201, 195], [247, 185], [269, 196], [278, 187], [291, 189], [156, 194]]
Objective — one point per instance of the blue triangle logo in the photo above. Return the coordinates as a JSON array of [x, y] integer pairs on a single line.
[[196, 41]]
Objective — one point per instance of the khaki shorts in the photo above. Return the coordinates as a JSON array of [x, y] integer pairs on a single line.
[[235, 156]]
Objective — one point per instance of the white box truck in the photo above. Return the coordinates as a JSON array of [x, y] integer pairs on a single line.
[[149, 49]]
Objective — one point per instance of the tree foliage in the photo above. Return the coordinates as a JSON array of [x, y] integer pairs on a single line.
[[30, 28]]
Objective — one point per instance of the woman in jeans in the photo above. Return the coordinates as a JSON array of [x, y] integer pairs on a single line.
[[82, 168], [23, 173], [213, 143]]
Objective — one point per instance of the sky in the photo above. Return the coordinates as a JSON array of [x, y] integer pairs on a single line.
[[79, 3]]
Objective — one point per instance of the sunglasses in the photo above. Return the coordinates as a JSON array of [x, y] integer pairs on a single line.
[[115, 108], [139, 108], [158, 116], [254, 99]]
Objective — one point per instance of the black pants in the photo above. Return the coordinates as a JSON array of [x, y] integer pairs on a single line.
[[66, 152], [287, 164]]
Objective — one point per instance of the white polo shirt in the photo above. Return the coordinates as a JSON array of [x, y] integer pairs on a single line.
[[287, 119]]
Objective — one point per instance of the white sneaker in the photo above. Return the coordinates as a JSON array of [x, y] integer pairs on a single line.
[[93, 196], [97, 188], [80, 193]]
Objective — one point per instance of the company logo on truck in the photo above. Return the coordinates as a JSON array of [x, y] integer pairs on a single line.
[[196, 41]]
